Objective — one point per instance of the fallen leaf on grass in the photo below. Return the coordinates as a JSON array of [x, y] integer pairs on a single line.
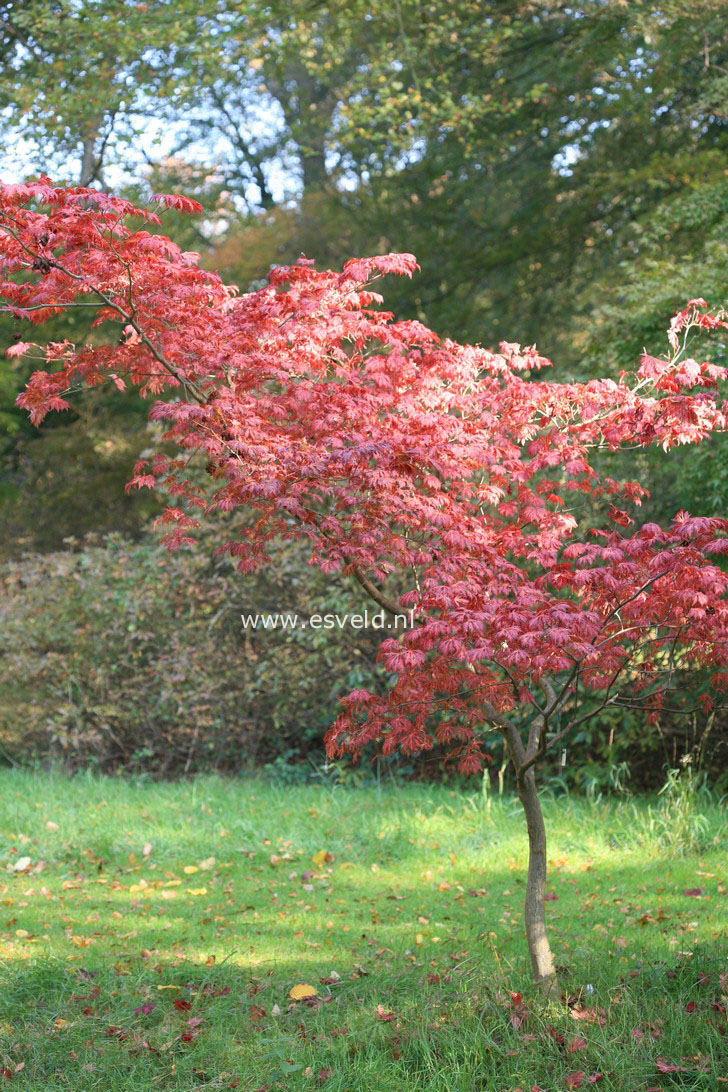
[[577, 1044], [665, 1066], [298, 993], [557, 1037], [194, 1025], [385, 1015], [588, 1015]]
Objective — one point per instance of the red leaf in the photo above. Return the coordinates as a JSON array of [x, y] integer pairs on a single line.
[[664, 1066], [555, 1035], [176, 201], [577, 1044], [588, 1015], [574, 1080]]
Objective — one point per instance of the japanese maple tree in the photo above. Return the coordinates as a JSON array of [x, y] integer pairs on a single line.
[[391, 451]]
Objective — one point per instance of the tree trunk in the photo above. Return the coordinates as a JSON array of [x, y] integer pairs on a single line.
[[542, 960], [90, 157]]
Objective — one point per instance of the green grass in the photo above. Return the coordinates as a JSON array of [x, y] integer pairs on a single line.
[[415, 922]]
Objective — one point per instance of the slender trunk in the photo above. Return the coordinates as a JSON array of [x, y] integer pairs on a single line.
[[542, 960], [88, 159], [92, 152]]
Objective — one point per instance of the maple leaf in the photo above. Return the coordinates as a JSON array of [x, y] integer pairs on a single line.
[[665, 1066]]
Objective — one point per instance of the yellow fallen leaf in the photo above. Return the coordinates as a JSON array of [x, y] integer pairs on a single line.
[[22, 933], [190, 869], [50, 825], [298, 993], [59, 1023], [419, 939], [197, 890], [320, 858], [167, 987]]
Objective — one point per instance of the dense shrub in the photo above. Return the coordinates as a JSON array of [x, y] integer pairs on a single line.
[[124, 656]]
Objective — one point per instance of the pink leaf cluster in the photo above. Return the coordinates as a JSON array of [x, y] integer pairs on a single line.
[[392, 451]]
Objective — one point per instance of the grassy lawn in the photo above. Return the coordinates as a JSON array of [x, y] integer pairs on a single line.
[[154, 935]]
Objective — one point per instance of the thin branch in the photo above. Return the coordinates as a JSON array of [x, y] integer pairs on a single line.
[[374, 593]]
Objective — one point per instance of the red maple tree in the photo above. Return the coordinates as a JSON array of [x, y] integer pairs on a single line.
[[458, 472]]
